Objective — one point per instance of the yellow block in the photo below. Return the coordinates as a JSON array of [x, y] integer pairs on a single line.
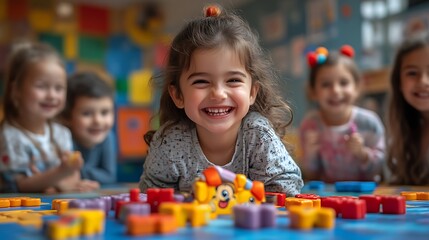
[[176, 210], [302, 217], [139, 87], [200, 215], [302, 202], [70, 45], [41, 19], [325, 218]]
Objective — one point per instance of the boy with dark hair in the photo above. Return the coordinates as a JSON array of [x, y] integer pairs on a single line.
[[89, 114]]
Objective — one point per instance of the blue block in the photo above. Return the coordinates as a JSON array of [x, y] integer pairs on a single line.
[[316, 185], [355, 186]]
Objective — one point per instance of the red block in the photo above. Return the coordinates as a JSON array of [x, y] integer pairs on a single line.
[[135, 195], [308, 196], [353, 209], [93, 19], [372, 203], [156, 196], [334, 203], [393, 204], [279, 198], [118, 206]]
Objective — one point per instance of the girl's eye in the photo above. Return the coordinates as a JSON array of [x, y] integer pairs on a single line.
[[199, 81], [86, 113], [235, 80], [411, 73]]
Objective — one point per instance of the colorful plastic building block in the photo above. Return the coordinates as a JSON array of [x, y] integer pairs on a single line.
[[355, 186], [254, 216], [345, 206], [292, 201], [156, 196], [196, 214], [415, 195], [306, 218], [152, 224], [393, 204], [316, 185], [278, 199], [92, 220], [373, 203], [313, 197]]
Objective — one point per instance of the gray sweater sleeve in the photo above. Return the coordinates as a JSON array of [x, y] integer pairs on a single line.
[[269, 161]]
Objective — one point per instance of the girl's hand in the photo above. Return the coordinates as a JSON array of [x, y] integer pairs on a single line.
[[71, 161], [87, 185], [354, 143]]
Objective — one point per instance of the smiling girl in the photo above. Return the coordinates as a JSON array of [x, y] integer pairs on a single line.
[[220, 106]]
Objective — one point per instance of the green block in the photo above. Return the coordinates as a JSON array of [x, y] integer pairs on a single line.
[[92, 49], [55, 40], [121, 85]]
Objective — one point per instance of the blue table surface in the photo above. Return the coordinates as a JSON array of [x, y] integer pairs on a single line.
[[412, 225]]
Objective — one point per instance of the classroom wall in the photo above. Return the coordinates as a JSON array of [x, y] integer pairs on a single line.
[[126, 45]]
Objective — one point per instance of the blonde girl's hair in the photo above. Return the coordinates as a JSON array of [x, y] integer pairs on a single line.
[[406, 159], [23, 55], [223, 29]]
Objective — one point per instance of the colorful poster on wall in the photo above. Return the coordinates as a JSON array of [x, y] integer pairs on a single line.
[[273, 27], [132, 124], [321, 16]]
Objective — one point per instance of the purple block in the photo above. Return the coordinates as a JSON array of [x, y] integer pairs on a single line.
[[179, 198], [96, 203], [77, 203], [133, 208], [268, 215], [108, 202], [247, 216], [116, 198]]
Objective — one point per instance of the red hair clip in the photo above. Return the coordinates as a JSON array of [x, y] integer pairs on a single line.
[[212, 11], [347, 50], [317, 57]]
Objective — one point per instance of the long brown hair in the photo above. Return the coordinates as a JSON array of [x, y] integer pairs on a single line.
[[405, 159], [229, 30], [23, 55]]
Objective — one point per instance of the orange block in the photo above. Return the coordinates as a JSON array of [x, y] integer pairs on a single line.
[[422, 195], [138, 225], [31, 202], [4, 203], [165, 224], [409, 195]]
